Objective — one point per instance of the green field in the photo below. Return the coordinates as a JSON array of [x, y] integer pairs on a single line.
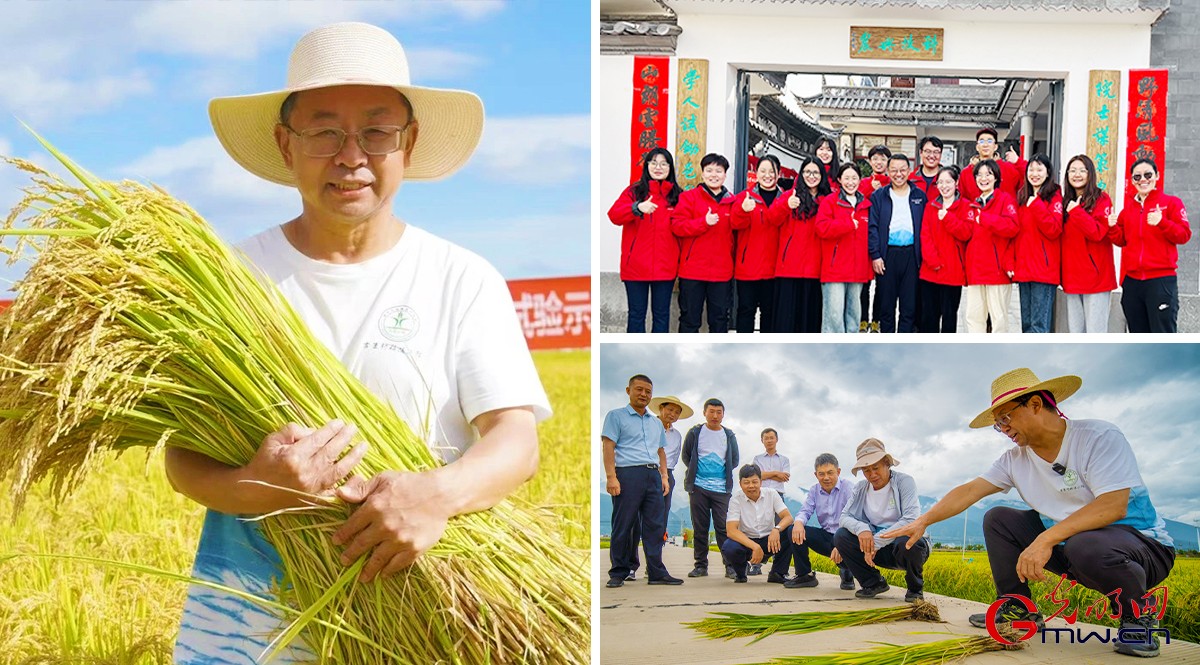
[[59, 612]]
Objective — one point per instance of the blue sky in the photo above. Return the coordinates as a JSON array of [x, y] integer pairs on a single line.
[[123, 89], [918, 399]]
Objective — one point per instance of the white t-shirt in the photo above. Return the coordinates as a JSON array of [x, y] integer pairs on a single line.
[[427, 326], [881, 507], [673, 447], [1098, 459], [756, 518], [775, 462]]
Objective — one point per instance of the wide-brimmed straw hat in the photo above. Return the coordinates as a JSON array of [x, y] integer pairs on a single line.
[[1022, 381], [656, 403], [449, 122], [869, 452]]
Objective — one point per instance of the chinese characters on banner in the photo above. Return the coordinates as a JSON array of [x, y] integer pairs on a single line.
[[4, 304], [649, 128], [1147, 129], [555, 313], [1104, 101], [896, 43], [691, 119]]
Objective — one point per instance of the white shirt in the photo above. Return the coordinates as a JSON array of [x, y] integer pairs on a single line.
[[774, 462], [881, 505], [673, 447], [755, 518], [711, 441]]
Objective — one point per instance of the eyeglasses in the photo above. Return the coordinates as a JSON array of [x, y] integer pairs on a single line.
[[1077, 172], [815, 174], [375, 140], [1138, 177], [1003, 420], [986, 140], [931, 152]]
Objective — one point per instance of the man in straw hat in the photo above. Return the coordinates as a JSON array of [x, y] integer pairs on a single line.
[[669, 409], [426, 325], [1091, 518], [884, 500], [635, 469]]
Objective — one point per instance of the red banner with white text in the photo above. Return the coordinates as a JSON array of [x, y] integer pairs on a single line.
[[4, 304], [555, 312], [1147, 128], [649, 119]]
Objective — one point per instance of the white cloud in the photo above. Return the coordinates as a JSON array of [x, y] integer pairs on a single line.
[[535, 150], [440, 64]]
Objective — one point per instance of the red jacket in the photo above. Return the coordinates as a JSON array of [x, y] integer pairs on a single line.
[[1037, 250], [1150, 251], [1087, 249], [916, 179], [876, 181], [757, 235], [799, 246], [1011, 176], [990, 249], [944, 243], [843, 247], [649, 251], [705, 252]]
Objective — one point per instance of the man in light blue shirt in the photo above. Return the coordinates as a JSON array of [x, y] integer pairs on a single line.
[[669, 409], [825, 500], [635, 466]]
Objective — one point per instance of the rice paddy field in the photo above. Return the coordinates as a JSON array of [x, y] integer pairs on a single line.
[[56, 611]]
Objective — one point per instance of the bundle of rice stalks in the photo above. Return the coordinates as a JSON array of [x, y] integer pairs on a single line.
[[928, 653], [136, 326], [730, 624]]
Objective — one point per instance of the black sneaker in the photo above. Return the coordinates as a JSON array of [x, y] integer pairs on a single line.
[[698, 571], [730, 574], [913, 596], [632, 576], [1138, 638], [614, 582], [872, 591], [739, 578], [1009, 612], [755, 569], [775, 578], [668, 580], [802, 581], [847, 579]]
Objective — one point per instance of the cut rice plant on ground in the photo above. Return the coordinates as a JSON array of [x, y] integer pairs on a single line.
[[927, 653], [728, 625]]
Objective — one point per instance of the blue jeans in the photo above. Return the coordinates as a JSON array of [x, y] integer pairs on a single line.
[[1037, 306], [638, 295], [840, 307]]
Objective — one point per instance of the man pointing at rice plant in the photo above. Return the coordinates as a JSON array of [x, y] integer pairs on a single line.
[[1091, 516], [426, 325]]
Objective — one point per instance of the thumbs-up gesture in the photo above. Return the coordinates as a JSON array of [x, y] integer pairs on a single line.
[[748, 204], [648, 206], [1154, 217], [1072, 205], [1112, 218], [711, 218], [793, 200], [942, 213], [875, 184], [1011, 155]]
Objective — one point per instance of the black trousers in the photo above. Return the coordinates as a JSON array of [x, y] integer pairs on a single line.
[[897, 283], [1115, 557], [640, 500], [817, 540], [707, 506], [939, 307], [893, 556], [1150, 305], [738, 555], [797, 305], [755, 295], [637, 526], [694, 294], [655, 295]]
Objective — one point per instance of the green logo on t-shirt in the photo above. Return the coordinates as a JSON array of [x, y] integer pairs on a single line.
[[399, 324], [1070, 479]]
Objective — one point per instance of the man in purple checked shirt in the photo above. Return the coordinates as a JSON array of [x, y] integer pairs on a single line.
[[825, 500]]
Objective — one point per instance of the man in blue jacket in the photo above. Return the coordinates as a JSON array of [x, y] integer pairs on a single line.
[[894, 245], [710, 452]]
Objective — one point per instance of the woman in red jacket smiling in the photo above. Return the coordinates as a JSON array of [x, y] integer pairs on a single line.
[[993, 218], [757, 247], [1149, 228], [649, 251], [944, 234], [826, 152], [701, 220], [798, 268], [1038, 255], [845, 265], [1088, 271]]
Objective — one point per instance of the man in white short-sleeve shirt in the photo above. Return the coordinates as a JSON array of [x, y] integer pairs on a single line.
[[1091, 518], [759, 526], [426, 325], [776, 471]]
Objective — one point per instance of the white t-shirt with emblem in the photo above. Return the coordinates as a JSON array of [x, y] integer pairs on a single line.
[[427, 326], [1097, 459], [755, 518], [881, 507]]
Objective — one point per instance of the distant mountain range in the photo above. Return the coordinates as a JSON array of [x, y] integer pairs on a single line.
[[948, 532]]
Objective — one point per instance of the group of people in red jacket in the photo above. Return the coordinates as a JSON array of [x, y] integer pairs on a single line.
[[802, 259]]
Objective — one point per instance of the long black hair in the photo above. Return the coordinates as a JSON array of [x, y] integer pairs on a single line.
[[774, 162], [834, 164], [1091, 191], [641, 188], [808, 204], [1048, 189]]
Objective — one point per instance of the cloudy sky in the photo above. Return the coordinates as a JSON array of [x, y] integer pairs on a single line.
[[123, 88], [918, 399]]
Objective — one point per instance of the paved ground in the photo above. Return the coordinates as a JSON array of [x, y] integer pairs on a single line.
[[642, 624]]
